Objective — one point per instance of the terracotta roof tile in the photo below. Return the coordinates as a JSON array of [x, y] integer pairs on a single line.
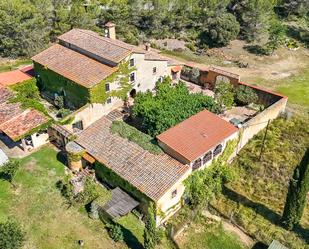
[[13, 77], [151, 174], [73, 65], [104, 47], [15, 121], [197, 134], [21, 124]]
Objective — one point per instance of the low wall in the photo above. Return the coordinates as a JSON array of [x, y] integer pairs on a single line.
[[259, 122]]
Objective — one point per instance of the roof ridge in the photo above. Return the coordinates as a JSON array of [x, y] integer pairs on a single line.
[[103, 38]]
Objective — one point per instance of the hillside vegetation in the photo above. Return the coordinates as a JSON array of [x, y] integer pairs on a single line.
[[255, 201], [28, 26]]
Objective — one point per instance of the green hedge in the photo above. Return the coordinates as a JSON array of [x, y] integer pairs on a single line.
[[132, 134]]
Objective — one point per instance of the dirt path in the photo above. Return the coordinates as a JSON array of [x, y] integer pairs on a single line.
[[229, 227]]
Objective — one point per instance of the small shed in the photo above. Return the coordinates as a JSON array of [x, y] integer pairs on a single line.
[[120, 204], [276, 245]]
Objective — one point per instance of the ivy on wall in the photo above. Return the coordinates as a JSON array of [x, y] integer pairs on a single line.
[[120, 77], [203, 185], [78, 95], [28, 95], [109, 176], [51, 82]]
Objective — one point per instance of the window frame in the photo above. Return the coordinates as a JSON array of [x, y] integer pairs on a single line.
[[107, 85], [207, 157], [174, 193], [219, 148], [133, 73], [132, 59], [197, 164]]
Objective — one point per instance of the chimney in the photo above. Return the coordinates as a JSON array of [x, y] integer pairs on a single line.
[[147, 46], [110, 30]]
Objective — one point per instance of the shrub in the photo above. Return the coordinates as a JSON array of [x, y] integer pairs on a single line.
[[191, 47], [132, 134], [115, 232], [245, 95], [224, 94], [59, 101], [221, 30], [169, 106], [11, 235], [9, 170], [63, 113], [150, 232]]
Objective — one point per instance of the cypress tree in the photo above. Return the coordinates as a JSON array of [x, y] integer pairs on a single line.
[[296, 197], [150, 232]]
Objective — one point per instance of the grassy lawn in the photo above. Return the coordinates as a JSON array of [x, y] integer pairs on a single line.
[[297, 89], [9, 66], [211, 236], [256, 200], [40, 208]]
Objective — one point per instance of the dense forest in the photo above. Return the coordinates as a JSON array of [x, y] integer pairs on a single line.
[[27, 26]]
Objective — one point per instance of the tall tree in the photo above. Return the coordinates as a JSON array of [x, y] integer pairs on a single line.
[[296, 197], [254, 16], [150, 232], [23, 28]]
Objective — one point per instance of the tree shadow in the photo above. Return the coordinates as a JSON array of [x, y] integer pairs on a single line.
[[259, 245], [264, 211], [62, 157], [261, 209], [256, 49], [302, 232], [4, 176], [130, 239], [298, 33]]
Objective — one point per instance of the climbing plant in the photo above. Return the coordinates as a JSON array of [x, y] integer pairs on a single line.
[[98, 93], [203, 185]]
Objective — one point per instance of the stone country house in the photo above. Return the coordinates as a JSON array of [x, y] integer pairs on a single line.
[[83, 68], [95, 76]]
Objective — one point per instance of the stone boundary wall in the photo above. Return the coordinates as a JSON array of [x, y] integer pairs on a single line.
[[259, 122]]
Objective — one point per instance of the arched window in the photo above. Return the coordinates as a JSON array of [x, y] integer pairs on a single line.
[[197, 164], [207, 157], [218, 150]]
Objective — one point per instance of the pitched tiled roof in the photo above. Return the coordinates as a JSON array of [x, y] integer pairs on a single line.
[[15, 121], [197, 134], [23, 123], [104, 47], [151, 174], [13, 77], [73, 65]]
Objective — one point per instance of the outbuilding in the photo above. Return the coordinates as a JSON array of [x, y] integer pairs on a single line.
[[198, 139]]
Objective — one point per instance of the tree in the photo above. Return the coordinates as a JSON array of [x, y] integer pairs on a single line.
[[245, 95], [221, 30], [150, 231], [115, 232], [23, 28], [254, 17], [9, 170], [11, 235], [224, 94], [297, 193], [160, 111]]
